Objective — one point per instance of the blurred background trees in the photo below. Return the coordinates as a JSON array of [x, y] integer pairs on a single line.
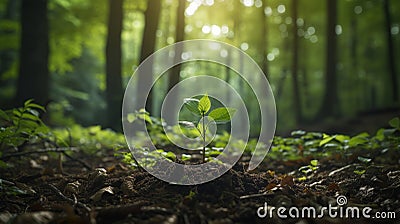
[[325, 60]]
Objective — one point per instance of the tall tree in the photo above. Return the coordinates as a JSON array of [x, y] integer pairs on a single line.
[[354, 57], [295, 64], [174, 75], [114, 64], [330, 102], [151, 20], [264, 39], [33, 79], [390, 49], [179, 36]]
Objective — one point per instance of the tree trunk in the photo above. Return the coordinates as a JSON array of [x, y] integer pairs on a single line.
[[179, 35], [330, 102], [284, 73], [264, 41], [174, 74], [33, 79], [151, 20], [295, 64], [114, 64], [390, 47]]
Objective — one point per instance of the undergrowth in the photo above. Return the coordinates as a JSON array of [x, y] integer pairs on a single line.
[[23, 129]]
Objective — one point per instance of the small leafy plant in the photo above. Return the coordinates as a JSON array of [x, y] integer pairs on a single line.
[[201, 108], [21, 125]]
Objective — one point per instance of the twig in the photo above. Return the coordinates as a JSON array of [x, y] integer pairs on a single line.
[[254, 195], [69, 156], [339, 170], [46, 150], [7, 182], [61, 195], [155, 209]]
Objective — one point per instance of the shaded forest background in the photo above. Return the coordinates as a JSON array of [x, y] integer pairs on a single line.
[[328, 62]]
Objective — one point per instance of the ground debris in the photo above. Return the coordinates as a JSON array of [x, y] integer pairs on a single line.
[[122, 195]]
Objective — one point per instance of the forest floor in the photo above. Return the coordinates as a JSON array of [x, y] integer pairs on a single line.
[[42, 188]]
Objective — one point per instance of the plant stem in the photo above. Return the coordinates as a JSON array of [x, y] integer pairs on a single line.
[[204, 140]]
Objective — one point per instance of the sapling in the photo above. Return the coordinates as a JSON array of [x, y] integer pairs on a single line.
[[201, 108]]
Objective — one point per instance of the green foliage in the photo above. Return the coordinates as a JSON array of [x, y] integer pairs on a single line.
[[395, 123], [90, 139], [220, 115], [22, 125], [323, 145], [141, 114], [307, 170], [192, 105], [204, 105]]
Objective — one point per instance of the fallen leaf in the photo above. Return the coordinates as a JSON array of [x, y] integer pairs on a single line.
[[270, 186], [287, 181], [99, 194], [72, 188]]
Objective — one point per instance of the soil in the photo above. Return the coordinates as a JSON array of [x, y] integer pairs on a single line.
[[102, 189]]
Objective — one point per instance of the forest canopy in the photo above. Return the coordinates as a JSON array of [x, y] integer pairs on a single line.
[[323, 59]]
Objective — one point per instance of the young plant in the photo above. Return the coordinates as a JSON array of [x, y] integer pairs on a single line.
[[201, 108]]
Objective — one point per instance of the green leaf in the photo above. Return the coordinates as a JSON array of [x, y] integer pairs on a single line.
[[332, 145], [363, 135], [314, 162], [26, 104], [303, 178], [145, 117], [359, 172], [29, 124], [171, 156], [213, 153], [4, 116], [131, 117], [298, 133], [192, 105], [186, 157], [222, 114], [342, 138], [142, 110], [364, 159], [204, 104], [17, 112], [36, 106], [31, 117], [380, 134], [356, 140], [395, 123], [187, 124], [326, 139]]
